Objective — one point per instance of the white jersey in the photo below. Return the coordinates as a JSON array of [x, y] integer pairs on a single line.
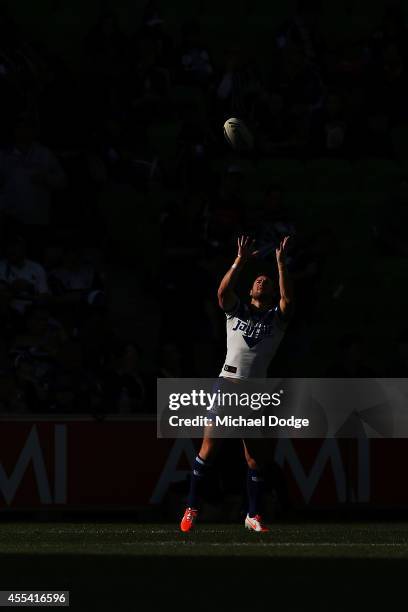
[[252, 340]]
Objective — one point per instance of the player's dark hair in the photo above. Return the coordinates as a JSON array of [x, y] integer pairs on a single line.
[[272, 275], [264, 272]]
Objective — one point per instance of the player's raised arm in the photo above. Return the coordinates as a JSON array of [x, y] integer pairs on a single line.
[[227, 298], [285, 283]]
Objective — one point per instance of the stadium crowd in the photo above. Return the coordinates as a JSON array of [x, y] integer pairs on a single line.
[[120, 202]]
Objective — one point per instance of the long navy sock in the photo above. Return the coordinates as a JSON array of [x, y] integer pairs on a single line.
[[197, 481], [255, 486]]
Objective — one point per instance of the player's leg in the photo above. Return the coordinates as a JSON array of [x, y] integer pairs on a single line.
[[200, 471], [199, 475], [255, 455]]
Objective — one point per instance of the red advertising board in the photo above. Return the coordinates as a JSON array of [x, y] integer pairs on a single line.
[[112, 463]]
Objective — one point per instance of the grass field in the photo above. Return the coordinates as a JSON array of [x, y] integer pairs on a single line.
[[129, 566]]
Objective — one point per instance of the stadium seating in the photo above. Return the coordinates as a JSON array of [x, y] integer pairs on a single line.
[[333, 193]]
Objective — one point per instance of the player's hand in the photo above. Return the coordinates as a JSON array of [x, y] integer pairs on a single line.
[[281, 251], [246, 248]]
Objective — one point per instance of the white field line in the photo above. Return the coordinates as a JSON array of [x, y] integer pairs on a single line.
[[270, 544], [201, 532], [101, 530]]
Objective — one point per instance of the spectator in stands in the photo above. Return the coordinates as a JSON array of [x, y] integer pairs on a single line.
[[106, 47], [150, 82], [43, 335], [196, 142], [195, 66], [12, 395], [12, 399], [301, 30], [8, 318], [393, 30], [47, 388], [24, 280], [170, 363], [152, 13], [36, 352], [122, 383], [29, 174], [329, 130], [73, 388], [154, 26], [32, 389], [235, 86], [76, 284]]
